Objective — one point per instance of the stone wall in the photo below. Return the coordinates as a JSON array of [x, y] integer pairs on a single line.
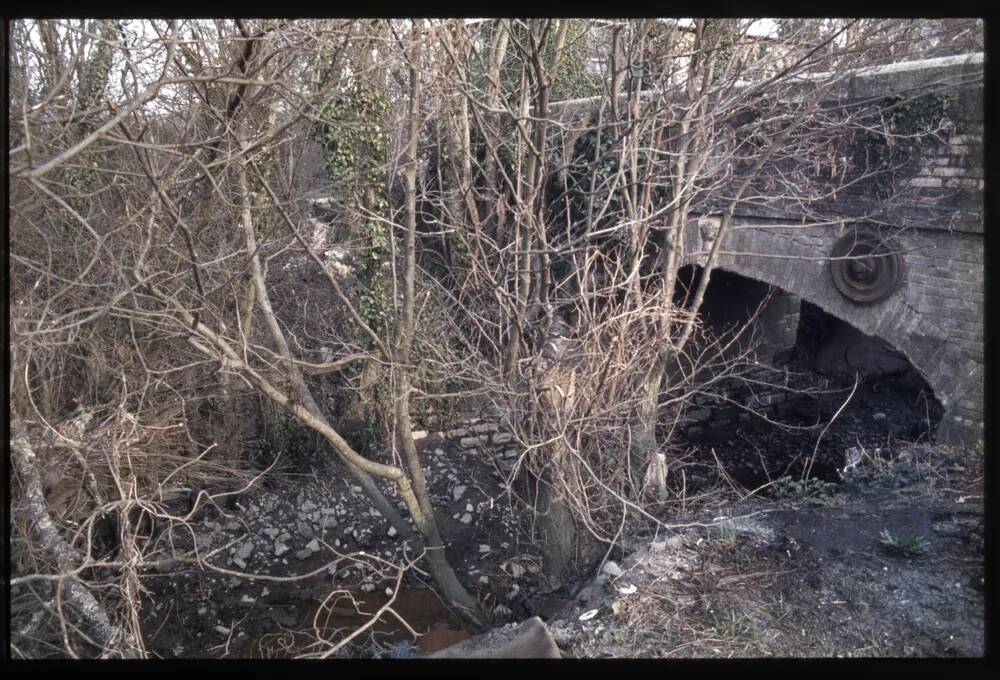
[[761, 393], [936, 216], [936, 220], [935, 318]]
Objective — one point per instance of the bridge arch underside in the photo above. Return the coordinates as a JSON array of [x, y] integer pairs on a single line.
[[934, 318]]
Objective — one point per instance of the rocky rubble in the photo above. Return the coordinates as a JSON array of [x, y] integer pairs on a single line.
[[290, 528]]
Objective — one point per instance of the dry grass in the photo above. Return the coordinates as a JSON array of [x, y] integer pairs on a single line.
[[694, 598]]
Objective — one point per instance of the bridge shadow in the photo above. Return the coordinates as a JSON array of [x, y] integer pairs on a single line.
[[778, 368]]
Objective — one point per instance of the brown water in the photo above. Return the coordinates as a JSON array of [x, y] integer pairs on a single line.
[[424, 612]]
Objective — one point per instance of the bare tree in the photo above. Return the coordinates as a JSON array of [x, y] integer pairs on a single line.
[[174, 263], [581, 289]]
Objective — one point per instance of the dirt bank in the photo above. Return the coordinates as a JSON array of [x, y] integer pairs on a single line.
[[888, 564]]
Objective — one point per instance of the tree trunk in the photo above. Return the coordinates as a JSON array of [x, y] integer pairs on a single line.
[[423, 514], [95, 621]]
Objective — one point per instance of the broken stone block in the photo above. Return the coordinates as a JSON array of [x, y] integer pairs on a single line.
[[244, 551], [528, 640], [612, 569]]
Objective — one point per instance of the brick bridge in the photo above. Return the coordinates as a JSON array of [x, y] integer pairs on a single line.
[[935, 315]]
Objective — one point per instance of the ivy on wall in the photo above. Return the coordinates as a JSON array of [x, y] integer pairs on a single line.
[[908, 126]]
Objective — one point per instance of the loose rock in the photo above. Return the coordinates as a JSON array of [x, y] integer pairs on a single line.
[[244, 551], [612, 569]]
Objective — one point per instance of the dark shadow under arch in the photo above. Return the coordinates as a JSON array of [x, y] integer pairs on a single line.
[[893, 403]]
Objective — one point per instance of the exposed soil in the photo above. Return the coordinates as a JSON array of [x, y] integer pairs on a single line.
[[810, 576], [882, 415], [321, 525], [798, 569]]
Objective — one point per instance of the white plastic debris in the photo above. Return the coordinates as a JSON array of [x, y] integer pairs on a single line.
[[587, 616]]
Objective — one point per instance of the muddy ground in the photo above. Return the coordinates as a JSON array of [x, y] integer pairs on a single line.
[[813, 573], [887, 560], [302, 540]]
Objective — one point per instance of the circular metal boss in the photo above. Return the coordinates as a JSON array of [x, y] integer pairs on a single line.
[[865, 269]]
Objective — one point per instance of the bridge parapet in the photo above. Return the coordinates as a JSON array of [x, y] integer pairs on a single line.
[[940, 187]]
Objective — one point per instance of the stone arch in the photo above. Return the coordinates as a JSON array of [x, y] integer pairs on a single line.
[[793, 258]]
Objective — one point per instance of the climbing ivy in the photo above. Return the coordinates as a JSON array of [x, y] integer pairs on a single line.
[[573, 78], [93, 75], [355, 140], [372, 267], [907, 126], [356, 146]]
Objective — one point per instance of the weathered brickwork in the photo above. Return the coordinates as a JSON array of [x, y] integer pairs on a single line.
[[935, 318], [935, 217]]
